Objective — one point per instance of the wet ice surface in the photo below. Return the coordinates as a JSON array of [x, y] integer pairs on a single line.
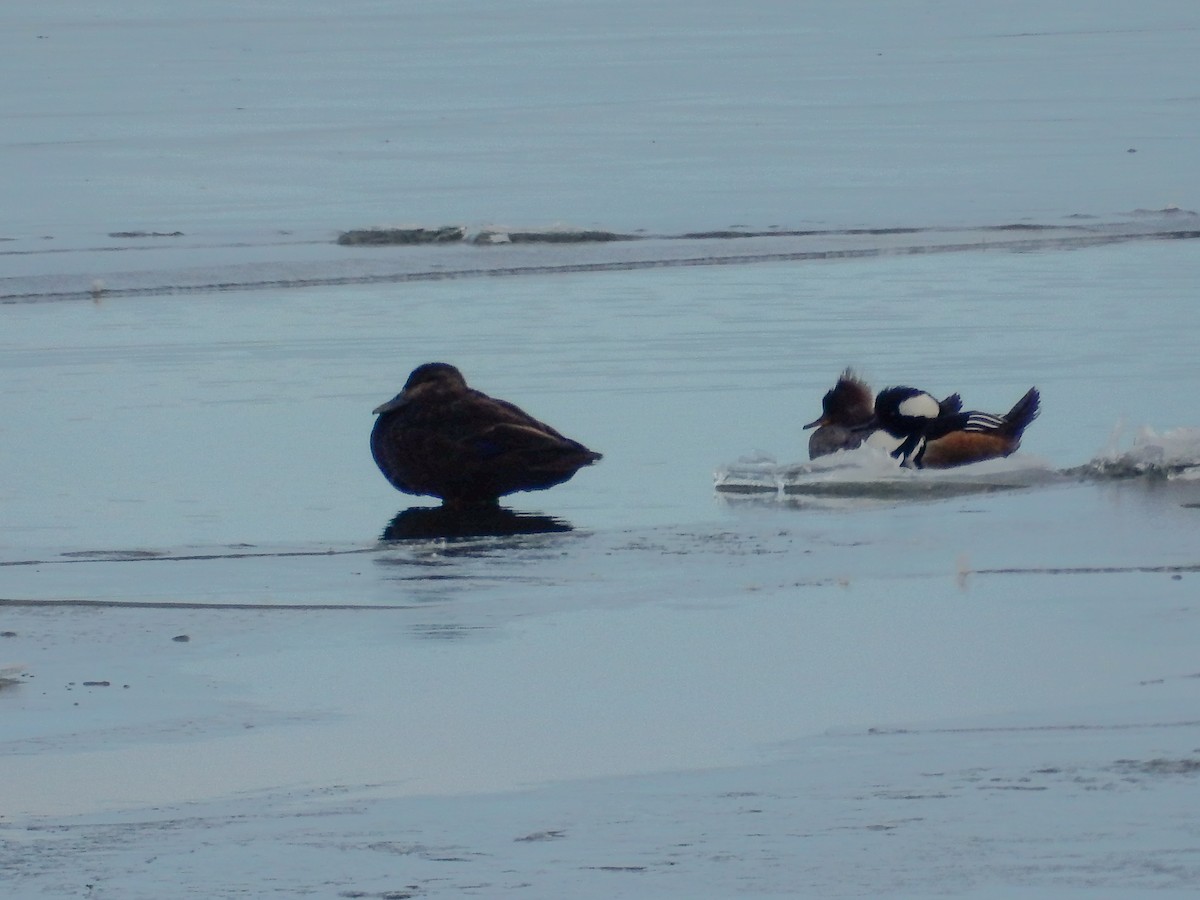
[[810, 669], [241, 418], [854, 682]]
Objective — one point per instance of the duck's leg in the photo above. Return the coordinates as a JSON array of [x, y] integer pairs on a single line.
[[459, 504]]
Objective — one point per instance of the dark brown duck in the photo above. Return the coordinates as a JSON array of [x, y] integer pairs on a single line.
[[440, 438]]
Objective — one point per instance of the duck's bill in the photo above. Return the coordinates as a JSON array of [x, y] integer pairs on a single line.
[[395, 403], [816, 423]]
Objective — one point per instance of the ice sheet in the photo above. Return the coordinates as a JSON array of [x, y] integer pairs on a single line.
[[983, 695]]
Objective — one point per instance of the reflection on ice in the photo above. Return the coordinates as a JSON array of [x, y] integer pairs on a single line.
[[428, 522]]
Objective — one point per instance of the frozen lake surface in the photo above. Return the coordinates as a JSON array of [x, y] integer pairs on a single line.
[[835, 681], [802, 672]]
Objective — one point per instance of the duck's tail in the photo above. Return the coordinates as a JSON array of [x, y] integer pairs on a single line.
[[1023, 412], [1011, 424]]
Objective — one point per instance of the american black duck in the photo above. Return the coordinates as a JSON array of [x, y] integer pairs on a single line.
[[440, 438]]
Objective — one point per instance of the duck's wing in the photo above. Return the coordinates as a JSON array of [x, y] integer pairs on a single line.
[[495, 426], [1013, 422], [985, 422], [532, 442], [501, 412], [973, 421], [944, 425]]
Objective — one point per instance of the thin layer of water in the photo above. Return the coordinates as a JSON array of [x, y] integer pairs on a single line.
[[160, 423]]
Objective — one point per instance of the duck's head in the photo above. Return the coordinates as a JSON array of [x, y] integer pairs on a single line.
[[848, 403], [426, 380], [442, 376]]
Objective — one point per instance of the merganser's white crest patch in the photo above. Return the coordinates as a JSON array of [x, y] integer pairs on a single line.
[[920, 406]]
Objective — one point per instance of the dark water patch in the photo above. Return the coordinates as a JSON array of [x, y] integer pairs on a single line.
[[145, 234], [1170, 212], [120, 555], [433, 579], [447, 234], [538, 836], [897, 230], [450, 234], [1025, 226], [553, 237], [447, 631], [733, 234], [1091, 570], [1158, 767]]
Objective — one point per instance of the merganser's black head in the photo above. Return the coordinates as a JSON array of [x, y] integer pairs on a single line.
[[903, 411]]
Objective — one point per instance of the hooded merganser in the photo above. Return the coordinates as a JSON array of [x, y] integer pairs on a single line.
[[440, 438], [931, 438], [846, 411]]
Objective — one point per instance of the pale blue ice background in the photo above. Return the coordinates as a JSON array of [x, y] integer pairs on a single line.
[[690, 695], [240, 118]]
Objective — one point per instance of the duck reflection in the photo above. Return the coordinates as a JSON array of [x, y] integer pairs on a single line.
[[425, 522]]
